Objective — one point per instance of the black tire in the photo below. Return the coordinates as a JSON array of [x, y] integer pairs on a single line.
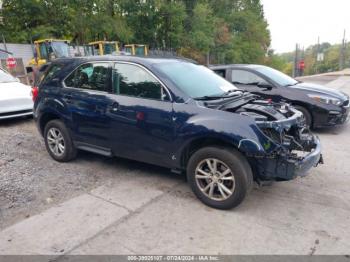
[[241, 171], [69, 151], [307, 115]]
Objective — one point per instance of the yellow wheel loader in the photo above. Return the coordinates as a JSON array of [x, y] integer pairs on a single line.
[[45, 51], [102, 48]]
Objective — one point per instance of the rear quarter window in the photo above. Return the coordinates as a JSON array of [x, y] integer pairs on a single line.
[[50, 73]]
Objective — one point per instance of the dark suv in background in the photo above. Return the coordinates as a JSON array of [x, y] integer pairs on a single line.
[[175, 114], [320, 105]]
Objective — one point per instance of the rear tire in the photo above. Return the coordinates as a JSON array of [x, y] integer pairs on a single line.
[[58, 142], [307, 115], [220, 177]]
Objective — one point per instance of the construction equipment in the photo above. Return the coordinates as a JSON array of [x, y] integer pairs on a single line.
[[102, 48], [45, 51], [136, 49]]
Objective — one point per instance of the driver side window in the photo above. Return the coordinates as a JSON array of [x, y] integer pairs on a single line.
[[245, 78]]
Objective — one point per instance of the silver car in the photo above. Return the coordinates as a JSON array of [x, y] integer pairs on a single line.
[[15, 97]]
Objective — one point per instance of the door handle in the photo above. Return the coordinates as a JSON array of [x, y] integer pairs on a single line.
[[114, 107], [68, 98]]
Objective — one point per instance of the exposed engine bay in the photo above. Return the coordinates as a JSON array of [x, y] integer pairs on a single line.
[[294, 146]]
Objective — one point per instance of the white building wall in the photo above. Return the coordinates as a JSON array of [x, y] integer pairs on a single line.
[[23, 51]]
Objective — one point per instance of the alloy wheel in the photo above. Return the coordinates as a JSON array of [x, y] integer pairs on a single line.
[[215, 179], [55, 141]]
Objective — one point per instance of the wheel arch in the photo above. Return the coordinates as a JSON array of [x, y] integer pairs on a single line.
[[307, 107], [198, 143], [45, 118]]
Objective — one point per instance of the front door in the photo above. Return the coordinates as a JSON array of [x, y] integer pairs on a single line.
[[142, 115], [253, 83]]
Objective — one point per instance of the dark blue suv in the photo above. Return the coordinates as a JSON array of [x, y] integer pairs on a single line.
[[176, 114]]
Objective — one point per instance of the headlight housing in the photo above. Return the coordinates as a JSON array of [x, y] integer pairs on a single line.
[[326, 99]]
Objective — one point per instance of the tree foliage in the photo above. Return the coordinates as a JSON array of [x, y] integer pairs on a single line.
[[230, 31], [309, 55]]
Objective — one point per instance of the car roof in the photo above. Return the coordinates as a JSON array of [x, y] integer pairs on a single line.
[[114, 58], [252, 66]]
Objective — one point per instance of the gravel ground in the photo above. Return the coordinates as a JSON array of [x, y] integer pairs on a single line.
[[30, 181]]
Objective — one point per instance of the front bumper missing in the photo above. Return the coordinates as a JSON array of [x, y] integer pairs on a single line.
[[284, 124], [288, 167], [311, 160]]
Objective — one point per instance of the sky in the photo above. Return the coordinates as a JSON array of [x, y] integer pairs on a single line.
[[303, 21]]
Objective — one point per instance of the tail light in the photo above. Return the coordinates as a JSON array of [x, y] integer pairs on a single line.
[[35, 92]]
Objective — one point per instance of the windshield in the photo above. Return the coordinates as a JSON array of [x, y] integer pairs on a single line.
[[6, 77], [195, 80], [277, 76], [61, 49], [109, 48]]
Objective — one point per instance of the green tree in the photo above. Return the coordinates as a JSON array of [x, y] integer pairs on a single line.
[[231, 31]]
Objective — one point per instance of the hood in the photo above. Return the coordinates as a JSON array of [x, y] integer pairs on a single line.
[[279, 116], [14, 90], [322, 90]]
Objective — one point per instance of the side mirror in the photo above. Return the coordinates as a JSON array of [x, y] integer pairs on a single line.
[[265, 85]]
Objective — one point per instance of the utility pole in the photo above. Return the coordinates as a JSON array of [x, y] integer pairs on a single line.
[[342, 53], [296, 61], [4, 42], [317, 54]]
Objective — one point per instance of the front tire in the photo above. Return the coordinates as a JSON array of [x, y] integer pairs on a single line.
[[307, 115], [220, 177], [58, 141]]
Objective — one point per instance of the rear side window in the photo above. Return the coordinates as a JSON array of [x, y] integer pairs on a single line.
[[50, 73], [245, 77], [91, 76]]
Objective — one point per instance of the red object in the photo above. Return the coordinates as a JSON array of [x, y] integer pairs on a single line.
[[301, 65], [269, 100], [140, 115], [11, 63], [35, 92]]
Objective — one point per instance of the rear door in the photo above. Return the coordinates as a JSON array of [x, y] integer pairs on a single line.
[[86, 94]]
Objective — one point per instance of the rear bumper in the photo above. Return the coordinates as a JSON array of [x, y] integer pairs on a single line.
[[288, 167], [16, 107]]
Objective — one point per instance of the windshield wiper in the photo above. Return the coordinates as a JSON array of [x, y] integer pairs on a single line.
[[208, 97], [292, 84], [227, 94], [247, 84]]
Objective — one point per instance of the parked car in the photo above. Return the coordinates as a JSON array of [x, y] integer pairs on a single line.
[[174, 114], [320, 105], [15, 98]]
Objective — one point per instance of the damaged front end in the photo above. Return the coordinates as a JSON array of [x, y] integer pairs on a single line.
[[296, 149], [290, 149]]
